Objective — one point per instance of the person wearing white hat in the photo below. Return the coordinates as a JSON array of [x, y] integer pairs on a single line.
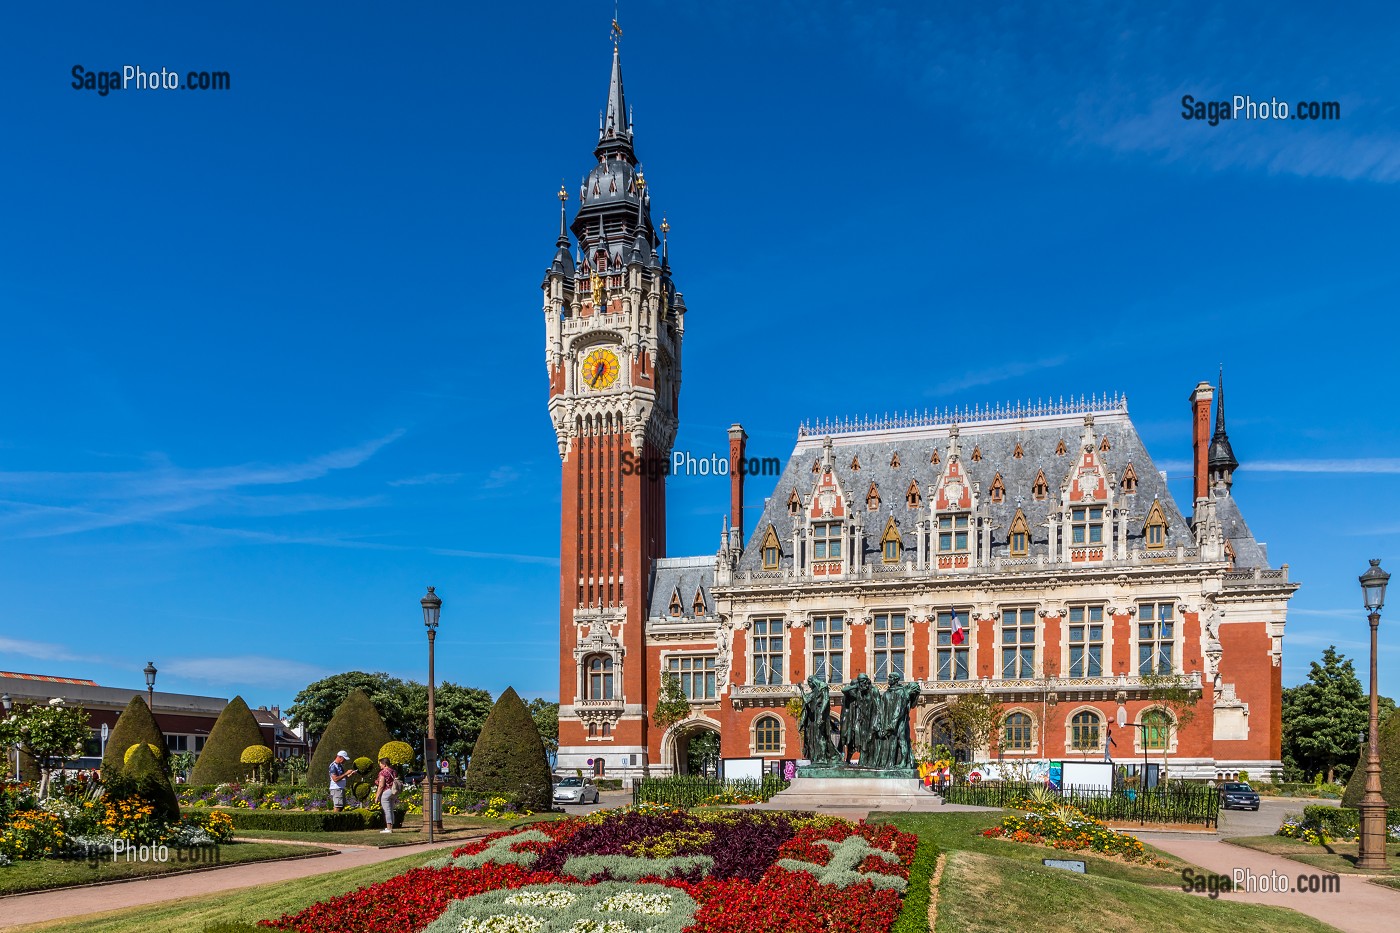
[[338, 775]]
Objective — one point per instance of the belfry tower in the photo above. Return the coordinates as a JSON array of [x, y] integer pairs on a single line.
[[614, 323]]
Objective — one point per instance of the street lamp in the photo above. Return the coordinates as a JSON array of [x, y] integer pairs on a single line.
[[1371, 848], [432, 815], [9, 704], [1142, 779], [151, 685]]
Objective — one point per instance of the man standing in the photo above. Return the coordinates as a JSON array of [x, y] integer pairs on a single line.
[[338, 775]]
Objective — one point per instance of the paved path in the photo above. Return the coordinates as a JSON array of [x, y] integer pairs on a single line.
[[74, 902], [1357, 907], [1268, 817]]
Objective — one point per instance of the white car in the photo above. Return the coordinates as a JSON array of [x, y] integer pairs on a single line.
[[575, 790]]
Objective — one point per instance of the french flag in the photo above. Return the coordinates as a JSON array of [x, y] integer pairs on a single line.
[[958, 634]]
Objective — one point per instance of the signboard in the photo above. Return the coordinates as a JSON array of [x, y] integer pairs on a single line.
[[1056, 775], [742, 769], [104, 732], [1088, 775], [444, 765], [1067, 864]]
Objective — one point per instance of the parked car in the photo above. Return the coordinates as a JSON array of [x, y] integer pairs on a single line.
[[575, 790], [1236, 795]]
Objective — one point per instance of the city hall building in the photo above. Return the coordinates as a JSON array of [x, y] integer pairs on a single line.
[[1031, 553]]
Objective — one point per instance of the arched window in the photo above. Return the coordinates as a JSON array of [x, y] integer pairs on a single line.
[[598, 683], [607, 730], [592, 730], [600, 767], [1156, 729], [1016, 732], [1085, 731], [768, 736], [771, 550]]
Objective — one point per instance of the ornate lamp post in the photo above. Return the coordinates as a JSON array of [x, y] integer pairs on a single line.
[[150, 672], [1371, 851], [9, 704], [432, 815]]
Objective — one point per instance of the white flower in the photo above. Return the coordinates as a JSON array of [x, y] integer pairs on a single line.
[[635, 902], [556, 898], [502, 923], [56, 701]]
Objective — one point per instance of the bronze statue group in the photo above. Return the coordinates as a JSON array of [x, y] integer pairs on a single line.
[[874, 724]]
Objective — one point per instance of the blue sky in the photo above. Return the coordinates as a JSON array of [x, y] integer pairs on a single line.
[[273, 357]]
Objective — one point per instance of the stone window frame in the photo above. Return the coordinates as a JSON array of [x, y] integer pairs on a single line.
[[754, 745], [1106, 642], [1037, 642], [907, 649], [1139, 733], [1175, 642], [751, 655], [1070, 746], [844, 652], [1032, 733]]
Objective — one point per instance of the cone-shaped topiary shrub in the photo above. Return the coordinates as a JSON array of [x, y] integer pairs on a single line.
[[144, 777], [1389, 741], [135, 726], [509, 757], [356, 728], [221, 761]]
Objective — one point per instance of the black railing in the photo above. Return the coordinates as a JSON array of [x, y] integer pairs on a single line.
[[1175, 803], [683, 790]]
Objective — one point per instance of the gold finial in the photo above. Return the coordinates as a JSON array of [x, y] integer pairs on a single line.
[[563, 194], [665, 226]]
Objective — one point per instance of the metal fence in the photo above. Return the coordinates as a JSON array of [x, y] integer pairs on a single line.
[[1175, 803], [685, 790]]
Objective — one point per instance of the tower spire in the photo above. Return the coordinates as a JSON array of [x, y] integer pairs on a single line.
[[1221, 462], [615, 135]]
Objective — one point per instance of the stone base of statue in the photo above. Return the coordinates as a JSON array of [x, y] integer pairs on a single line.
[[832, 788]]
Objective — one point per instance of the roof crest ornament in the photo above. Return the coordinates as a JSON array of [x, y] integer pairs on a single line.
[[1117, 403]]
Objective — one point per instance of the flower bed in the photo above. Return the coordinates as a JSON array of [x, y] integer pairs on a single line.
[[1068, 828], [282, 797], [1322, 824], [647, 869]]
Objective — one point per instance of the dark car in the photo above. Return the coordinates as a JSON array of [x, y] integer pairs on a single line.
[[1236, 795]]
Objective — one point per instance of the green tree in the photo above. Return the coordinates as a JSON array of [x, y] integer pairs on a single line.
[[1322, 717], [672, 705], [545, 713], [182, 764], [222, 759], [509, 757], [48, 734], [356, 728], [974, 719], [134, 726], [702, 753], [1181, 700], [1388, 739]]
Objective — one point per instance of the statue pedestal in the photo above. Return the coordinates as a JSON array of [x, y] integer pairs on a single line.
[[823, 788]]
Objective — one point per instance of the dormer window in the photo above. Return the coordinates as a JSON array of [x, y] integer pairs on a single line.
[[894, 461], [855, 463], [1020, 540], [1018, 453], [891, 547], [952, 533], [826, 540], [1104, 445], [770, 549], [872, 499], [977, 454], [794, 503], [1086, 525], [698, 606], [1130, 480], [1041, 489], [998, 490], [1155, 531], [675, 609], [912, 497], [817, 465], [1060, 448], [934, 459]]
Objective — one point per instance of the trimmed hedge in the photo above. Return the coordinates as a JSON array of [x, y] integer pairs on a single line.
[[221, 760], [145, 777], [1341, 822], [135, 726], [509, 757], [355, 727], [305, 821], [1389, 741], [913, 916]]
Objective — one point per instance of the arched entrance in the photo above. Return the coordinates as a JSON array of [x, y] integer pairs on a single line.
[[937, 730], [692, 747]]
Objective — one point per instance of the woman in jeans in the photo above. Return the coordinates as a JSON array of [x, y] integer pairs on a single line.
[[386, 794]]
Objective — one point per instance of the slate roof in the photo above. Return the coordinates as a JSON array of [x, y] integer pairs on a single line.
[[997, 440], [1248, 552], [685, 574]]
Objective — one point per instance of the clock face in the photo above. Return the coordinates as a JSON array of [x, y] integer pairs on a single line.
[[600, 369]]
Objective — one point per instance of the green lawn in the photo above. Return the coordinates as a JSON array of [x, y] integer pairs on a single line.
[[43, 874], [992, 886], [193, 914], [1338, 857]]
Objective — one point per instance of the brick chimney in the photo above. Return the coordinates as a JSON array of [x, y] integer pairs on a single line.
[[737, 437], [1200, 439]]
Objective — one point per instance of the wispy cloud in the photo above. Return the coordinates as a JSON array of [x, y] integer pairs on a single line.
[[427, 479], [1345, 465], [49, 504], [254, 670], [988, 375], [495, 555], [43, 651]]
